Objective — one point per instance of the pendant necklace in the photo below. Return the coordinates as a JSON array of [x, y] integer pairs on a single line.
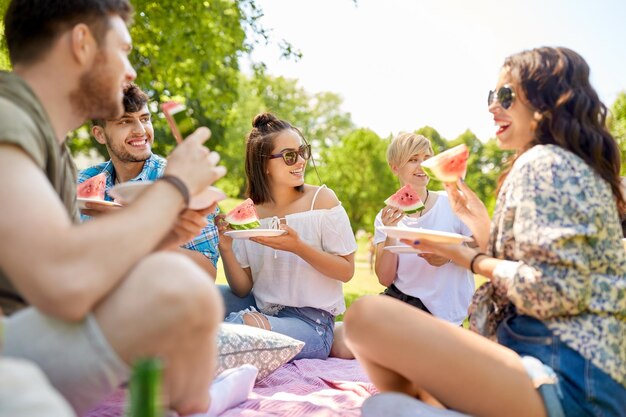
[[425, 201]]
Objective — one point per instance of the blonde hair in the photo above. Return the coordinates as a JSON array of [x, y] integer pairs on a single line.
[[405, 145]]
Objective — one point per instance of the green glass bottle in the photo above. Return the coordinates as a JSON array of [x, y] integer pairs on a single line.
[[145, 389]]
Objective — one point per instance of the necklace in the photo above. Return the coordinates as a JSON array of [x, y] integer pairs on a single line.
[[425, 201]]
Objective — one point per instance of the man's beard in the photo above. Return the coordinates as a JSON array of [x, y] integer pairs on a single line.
[[98, 96], [122, 154]]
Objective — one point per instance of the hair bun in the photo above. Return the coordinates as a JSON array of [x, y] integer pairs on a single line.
[[263, 119]]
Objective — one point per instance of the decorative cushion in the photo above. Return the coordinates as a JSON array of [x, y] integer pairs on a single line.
[[238, 344]]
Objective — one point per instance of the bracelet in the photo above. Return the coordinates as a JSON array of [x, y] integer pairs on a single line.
[[471, 265], [179, 185]]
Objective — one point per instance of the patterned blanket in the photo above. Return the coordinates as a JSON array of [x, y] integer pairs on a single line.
[[306, 387]]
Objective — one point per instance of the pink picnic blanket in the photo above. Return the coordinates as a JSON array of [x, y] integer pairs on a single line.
[[306, 387]]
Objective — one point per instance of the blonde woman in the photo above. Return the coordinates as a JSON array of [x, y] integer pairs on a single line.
[[427, 281]]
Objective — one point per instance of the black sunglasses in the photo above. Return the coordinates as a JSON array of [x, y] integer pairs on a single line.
[[291, 156], [505, 96]]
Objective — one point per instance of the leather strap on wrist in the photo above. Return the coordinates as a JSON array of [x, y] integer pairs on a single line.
[[179, 185]]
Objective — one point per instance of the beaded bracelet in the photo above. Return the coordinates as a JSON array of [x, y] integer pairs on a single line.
[[179, 185], [471, 265]]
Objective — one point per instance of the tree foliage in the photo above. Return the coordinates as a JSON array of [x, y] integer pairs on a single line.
[[356, 169], [617, 125]]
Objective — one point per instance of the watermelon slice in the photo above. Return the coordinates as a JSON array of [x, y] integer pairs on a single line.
[[448, 166], [406, 199], [243, 216], [178, 118], [93, 187]]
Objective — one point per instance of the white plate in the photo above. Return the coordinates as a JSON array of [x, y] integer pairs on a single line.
[[624, 243], [426, 234], [402, 249], [127, 192], [245, 234], [83, 206]]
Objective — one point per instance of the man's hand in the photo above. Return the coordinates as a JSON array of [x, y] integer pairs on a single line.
[[187, 226], [97, 209]]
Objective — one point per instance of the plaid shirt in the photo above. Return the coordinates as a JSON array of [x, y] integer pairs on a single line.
[[205, 243]]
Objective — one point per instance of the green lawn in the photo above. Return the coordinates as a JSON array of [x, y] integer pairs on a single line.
[[361, 284]]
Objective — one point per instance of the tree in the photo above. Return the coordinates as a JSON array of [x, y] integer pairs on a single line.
[[437, 142], [617, 125], [356, 169]]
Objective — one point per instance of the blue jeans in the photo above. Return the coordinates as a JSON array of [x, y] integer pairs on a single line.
[[233, 303], [310, 325], [585, 390]]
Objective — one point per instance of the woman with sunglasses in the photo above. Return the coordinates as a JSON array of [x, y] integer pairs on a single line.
[[295, 278], [556, 297]]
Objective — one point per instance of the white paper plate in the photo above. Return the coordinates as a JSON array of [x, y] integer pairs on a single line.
[[426, 234], [104, 203], [245, 234], [127, 192], [399, 249]]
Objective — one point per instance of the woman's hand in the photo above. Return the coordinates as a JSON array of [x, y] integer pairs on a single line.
[[391, 216], [225, 242], [437, 252], [433, 259], [466, 204], [289, 241]]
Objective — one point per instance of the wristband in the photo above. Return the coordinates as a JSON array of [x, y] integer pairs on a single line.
[[179, 185], [471, 265]]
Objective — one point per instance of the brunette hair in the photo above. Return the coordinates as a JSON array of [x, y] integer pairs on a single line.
[[259, 144], [134, 100], [32, 26], [568, 110]]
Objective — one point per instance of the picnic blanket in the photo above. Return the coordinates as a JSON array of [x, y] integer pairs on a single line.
[[306, 387]]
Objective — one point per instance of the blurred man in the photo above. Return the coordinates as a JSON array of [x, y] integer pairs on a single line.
[[93, 297]]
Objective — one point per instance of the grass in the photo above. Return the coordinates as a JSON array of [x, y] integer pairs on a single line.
[[364, 282]]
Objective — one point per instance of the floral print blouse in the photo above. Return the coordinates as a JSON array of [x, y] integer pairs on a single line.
[[556, 224]]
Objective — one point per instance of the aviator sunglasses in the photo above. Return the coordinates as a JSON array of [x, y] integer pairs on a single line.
[[505, 96], [291, 156]]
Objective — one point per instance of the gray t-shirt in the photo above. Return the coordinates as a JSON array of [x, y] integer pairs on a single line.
[[24, 123]]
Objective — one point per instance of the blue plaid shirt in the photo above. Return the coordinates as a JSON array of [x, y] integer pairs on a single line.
[[205, 243]]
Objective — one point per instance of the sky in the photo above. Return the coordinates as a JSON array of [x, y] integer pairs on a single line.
[[402, 64]]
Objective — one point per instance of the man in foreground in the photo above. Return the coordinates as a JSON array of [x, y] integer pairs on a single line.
[[89, 299]]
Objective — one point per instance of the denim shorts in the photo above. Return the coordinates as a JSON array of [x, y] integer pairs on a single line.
[[584, 389], [310, 325]]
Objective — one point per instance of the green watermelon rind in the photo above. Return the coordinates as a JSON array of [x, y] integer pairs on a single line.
[[418, 206], [243, 217], [245, 226]]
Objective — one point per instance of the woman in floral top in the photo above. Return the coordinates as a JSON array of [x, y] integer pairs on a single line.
[[553, 256]]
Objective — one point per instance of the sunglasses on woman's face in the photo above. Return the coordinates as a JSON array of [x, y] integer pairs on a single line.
[[505, 96], [291, 156]]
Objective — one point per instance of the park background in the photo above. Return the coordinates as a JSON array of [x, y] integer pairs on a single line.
[[351, 74]]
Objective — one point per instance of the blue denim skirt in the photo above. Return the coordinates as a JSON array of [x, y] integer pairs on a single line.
[[584, 389]]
